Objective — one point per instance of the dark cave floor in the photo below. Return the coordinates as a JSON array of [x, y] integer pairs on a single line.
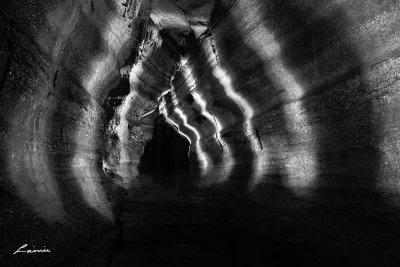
[[166, 225]]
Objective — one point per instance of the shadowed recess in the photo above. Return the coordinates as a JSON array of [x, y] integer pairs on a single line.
[[200, 132]]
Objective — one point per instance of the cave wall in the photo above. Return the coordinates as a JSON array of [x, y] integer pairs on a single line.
[[299, 96], [296, 105], [302, 91], [59, 61], [131, 126]]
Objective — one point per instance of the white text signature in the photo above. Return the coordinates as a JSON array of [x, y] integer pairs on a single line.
[[22, 249]]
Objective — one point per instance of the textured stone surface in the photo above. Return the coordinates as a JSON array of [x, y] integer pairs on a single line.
[[61, 60], [287, 112], [300, 85]]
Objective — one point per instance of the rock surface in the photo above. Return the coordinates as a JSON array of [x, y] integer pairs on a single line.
[[285, 112]]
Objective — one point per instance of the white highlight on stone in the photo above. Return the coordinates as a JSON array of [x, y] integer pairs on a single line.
[[203, 110], [85, 169], [30, 168], [147, 114], [126, 169], [123, 126], [226, 82], [162, 95], [300, 162], [200, 153], [164, 111], [227, 161], [191, 82], [184, 61], [224, 78], [97, 72]]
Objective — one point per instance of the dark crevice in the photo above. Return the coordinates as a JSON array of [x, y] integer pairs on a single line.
[[259, 139], [183, 11], [166, 36], [220, 144], [115, 98], [166, 154], [130, 8], [221, 13], [346, 219], [135, 53], [55, 78], [189, 98], [10, 49]]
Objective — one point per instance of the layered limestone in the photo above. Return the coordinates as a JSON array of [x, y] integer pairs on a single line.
[[296, 90], [60, 61], [291, 104]]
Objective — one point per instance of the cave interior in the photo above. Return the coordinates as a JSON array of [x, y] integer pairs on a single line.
[[199, 133]]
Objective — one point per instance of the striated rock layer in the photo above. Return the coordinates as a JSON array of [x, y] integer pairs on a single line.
[[296, 90], [290, 105], [60, 61]]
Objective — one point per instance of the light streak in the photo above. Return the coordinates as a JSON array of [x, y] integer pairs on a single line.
[[227, 160], [191, 82], [30, 169], [201, 154], [84, 166], [164, 111], [300, 162], [126, 168], [147, 114], [226, 82]]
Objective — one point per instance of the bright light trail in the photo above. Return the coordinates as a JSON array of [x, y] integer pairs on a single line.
[[226, 82], [201, 154], [227, 160], [300, 162], [163, 110]]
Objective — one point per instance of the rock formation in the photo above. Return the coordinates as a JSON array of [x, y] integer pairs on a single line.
[[291, 105]]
